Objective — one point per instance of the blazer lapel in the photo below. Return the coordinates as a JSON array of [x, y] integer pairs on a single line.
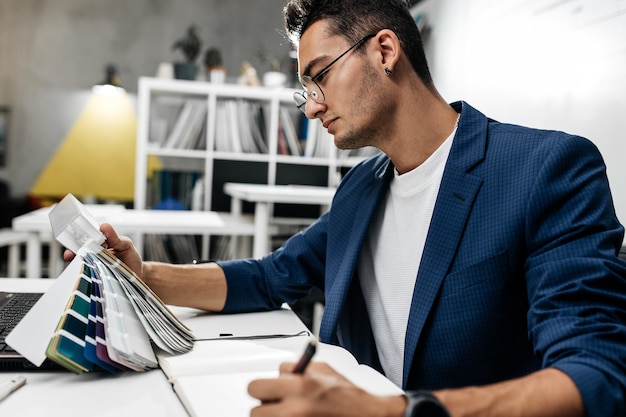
[[347, 247], [456, 196]]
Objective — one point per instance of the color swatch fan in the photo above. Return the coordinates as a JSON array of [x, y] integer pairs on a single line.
[[108, 319]]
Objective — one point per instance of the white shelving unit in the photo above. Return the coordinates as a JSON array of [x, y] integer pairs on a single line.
[[155, 96]]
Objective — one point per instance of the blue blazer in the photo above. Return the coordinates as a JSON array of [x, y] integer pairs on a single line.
[[519, 271]]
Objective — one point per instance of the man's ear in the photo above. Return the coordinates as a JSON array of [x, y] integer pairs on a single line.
[[389, 47]]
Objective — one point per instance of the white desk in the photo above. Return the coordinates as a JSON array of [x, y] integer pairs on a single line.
[[129, 222], [264, 195]]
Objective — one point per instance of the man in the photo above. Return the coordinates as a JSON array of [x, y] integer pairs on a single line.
[[472, 259]]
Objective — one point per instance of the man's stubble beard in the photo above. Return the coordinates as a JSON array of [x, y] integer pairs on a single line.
[[370, 131]]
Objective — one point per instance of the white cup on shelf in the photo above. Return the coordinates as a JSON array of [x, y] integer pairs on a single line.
[[274, 79], [165, 70]]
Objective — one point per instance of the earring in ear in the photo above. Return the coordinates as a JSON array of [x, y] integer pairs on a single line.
[[388, 72]]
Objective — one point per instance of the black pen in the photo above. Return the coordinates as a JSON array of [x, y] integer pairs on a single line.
[[306, 357]]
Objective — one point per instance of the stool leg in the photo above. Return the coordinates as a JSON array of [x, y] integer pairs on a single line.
[[33, 256], [14, 260], [55, 266]]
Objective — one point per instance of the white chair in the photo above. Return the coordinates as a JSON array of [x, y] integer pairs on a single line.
[[14, 240]]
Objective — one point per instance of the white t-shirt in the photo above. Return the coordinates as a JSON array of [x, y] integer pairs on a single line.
[[391, 255]]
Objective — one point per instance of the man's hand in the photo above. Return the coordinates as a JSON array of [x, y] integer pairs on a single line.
[[121, 247], [320, 391]]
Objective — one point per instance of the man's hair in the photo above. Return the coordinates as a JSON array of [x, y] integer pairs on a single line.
[[354, 19]]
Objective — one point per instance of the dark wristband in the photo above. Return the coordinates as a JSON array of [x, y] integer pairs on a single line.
[[423, 404]]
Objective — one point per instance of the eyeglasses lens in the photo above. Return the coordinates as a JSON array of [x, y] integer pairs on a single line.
[[312, 90]]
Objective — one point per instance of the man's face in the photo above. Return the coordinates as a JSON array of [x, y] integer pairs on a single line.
[[349, 87]]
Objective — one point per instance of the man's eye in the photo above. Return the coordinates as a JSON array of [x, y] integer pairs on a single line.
[[321, 76]]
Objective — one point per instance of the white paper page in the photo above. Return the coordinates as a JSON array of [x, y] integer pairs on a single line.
[[224, 357], [362, 376], [32, 334], [219, 395], [343, 362], [372, 381]]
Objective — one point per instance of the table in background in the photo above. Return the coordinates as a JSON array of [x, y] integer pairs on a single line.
[[263, 196], [134, 223]]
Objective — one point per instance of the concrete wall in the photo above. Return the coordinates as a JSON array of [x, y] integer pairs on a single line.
[[52, 52], [546, 64]]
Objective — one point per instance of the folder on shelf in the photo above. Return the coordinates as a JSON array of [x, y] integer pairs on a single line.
[[182, 122], [188, 126], [130, 320], [290, 134]]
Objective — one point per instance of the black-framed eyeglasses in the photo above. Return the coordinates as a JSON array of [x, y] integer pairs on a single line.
[[312, 88]]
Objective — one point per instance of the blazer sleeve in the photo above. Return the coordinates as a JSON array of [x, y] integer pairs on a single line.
[[284, 275], [576, 282]]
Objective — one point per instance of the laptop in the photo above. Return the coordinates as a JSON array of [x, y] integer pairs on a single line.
[[13, 307]]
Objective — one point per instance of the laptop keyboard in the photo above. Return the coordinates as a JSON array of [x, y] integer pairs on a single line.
[[11, 314]]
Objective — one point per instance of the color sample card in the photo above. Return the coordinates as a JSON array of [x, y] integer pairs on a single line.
[[67, 345], [91, 338]]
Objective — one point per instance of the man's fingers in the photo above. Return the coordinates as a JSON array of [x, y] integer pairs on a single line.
[[314, 368], [68, 255], [267, 410], [286, 367], [274, 389], [111, 236]]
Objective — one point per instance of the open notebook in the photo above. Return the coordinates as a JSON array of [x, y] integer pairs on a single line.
[[198, 376], [98, 315]]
